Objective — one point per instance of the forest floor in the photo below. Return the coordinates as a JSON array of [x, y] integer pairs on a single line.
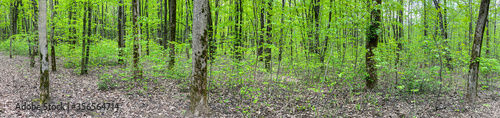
[[165, 98]]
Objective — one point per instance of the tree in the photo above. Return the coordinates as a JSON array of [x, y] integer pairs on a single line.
[[14, 17], [267, 59], [137, 32], [173, 11], [238, 28], [52, 40], [121, 42], [444, 34], [398, 37], [476, 51], [86, 30], [201, 29], [42, 38], [372, 42]]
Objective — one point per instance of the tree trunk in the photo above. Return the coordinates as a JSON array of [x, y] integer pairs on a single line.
[[121, 42], [269, 37], [476, 51], [443, 34], [237, 28], [172, 19], [52, 39], [398, 37], [373, 39], [83, 65], [136, 32], [13, 20], [201, 29], [44, 64], [89, 32]]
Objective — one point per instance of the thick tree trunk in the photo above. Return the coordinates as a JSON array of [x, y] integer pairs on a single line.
[[372, 42], [44, 63], [121, 42], [172, 20], [201, 30], [476, 51]]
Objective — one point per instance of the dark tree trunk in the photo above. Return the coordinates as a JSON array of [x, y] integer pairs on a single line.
[[14, 17], [398, 39], [476, 51], [444, 35], [52, 39], [172, 19], [237, 28], [89, 32], [136, 31], [201, 30], [121, 42], [260, 50], [372, 42], [267, 60], [147, 27], [83, 65], [72, 21]]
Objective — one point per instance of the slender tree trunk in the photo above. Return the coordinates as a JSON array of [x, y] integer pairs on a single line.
[[34, 51], [72, 21], [89, 32], [137, 32], [398, 37], [172, 19], [44, 58], [488, 29], [14, 17], [269, 37], [201, 30], [373, 39], [476, 51], [83, 65], [186, 31], [444, 35], [147, 27], [260, 50], [237, 28], [121, 42], [52, 39]]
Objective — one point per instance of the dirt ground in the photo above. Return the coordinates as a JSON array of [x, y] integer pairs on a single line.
[[19, 84]]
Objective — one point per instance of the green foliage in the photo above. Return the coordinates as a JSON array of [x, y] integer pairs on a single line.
[[19, 44], [106, 81]]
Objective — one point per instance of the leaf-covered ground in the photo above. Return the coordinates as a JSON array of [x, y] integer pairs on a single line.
[[165, 98]]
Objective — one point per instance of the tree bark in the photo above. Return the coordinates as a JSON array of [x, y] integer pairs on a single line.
[[136, 32], [372, 42], [52, 39], [44, 65], [121, 42], [476, 51], [172, 19], [201, 30], [267, 60], [83, 65], [14, 17], [443, 34]]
